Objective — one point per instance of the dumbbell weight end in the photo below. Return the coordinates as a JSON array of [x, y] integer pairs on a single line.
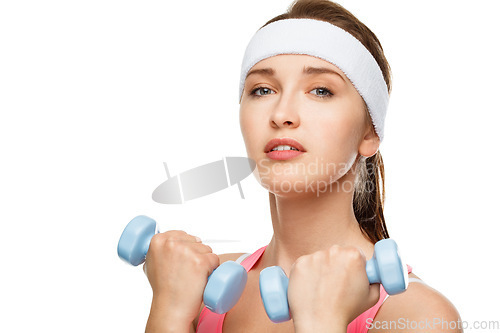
[[222, 293], [387, 268], [273, 285], [135, 239]]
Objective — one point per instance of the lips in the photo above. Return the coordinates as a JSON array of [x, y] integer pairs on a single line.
[[283, 141]]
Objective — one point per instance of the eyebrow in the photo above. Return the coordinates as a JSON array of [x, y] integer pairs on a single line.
[[307, 71]]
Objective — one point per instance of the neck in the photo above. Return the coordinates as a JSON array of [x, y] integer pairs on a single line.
[[306, 224]]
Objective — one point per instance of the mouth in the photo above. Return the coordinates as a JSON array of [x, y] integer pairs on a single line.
[[280, 144]]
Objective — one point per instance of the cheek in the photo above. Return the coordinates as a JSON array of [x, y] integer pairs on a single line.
[[244, 123], [336, 133], [333, 126], [249, 125], [342, 123]]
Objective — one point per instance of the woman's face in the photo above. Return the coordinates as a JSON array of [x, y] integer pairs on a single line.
[[321, 110]]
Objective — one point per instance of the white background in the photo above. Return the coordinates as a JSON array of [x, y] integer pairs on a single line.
[[96, 95]]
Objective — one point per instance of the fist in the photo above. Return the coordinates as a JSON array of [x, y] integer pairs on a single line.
[[177, 266], [330, 286]]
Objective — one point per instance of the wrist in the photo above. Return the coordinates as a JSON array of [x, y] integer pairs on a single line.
[[164, 318], [332, 325]]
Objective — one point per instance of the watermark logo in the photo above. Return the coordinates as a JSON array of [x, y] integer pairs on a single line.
[[315, 176], [437, 324], [203, 180]]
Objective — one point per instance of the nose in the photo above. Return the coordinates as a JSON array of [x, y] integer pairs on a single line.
[[286, 114]]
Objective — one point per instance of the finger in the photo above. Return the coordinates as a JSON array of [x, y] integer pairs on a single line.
[[374, 293], [214, 260], [181, 235], [296, 262], [202, 248], [362, 253]]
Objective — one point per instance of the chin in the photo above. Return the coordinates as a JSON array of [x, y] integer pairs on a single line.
[[295, 185]]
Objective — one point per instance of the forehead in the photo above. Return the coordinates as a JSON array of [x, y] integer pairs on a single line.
[[294, 58], [294, 63]]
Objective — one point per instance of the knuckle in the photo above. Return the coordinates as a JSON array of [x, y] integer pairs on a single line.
[[335, 250], [216, 259], [156, 241], [171, 245], [347, 252], [300, 261], [198, 261], [319, 255], [174, 234], [356, 253], [185, 249], [306, 260], [351, 250]]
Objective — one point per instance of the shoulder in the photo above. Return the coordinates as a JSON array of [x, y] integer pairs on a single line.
[[420, 308], [229, 256], [222, 258]]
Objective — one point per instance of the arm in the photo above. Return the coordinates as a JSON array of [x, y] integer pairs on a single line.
[[405, 311], [314, 326], [159, 320], [164, 321], [420, 309]]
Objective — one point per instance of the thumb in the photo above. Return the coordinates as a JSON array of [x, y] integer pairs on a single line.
[[293, 265]]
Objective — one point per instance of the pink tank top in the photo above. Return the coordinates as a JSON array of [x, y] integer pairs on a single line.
[[210, 322]]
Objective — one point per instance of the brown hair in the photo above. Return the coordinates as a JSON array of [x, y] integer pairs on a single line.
[[369, 190]]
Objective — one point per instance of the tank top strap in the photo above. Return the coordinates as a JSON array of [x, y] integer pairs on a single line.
[[249, 261]]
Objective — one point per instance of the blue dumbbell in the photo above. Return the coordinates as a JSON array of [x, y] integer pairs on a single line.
[[385, 267], [224, 286]]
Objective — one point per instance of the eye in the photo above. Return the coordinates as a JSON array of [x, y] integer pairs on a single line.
[[324, 90], [261, 89]]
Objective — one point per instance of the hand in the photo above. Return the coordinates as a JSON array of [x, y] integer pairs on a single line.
[[177, 266], [330, 288]]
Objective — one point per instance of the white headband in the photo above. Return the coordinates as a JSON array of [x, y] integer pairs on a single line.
[[328, 42]]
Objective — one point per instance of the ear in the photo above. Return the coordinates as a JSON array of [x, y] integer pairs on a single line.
[[369, 143]]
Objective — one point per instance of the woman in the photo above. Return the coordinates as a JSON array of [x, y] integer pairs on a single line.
[[317, 95]]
